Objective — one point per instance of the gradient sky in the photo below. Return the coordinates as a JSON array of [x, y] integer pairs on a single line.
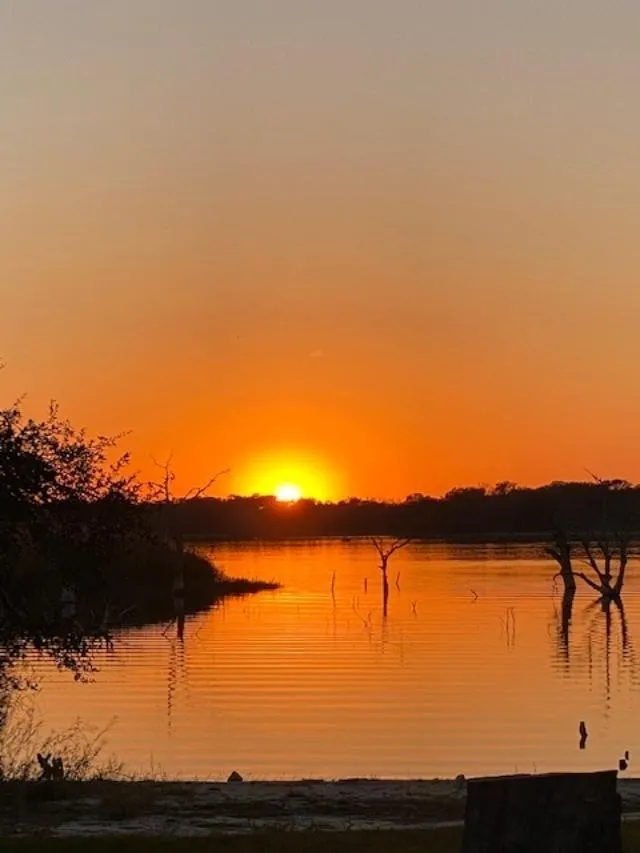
[[376, 247]]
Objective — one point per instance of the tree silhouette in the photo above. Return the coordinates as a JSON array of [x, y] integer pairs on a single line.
[[385, 552], [604, 551], [65, 506], [161, 493]]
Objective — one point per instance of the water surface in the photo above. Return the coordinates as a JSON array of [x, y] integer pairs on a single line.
[[469, 673]]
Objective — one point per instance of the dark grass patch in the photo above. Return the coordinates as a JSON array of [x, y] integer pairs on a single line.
[[122, 800], [39, 804], [436, 841], [395, 841]]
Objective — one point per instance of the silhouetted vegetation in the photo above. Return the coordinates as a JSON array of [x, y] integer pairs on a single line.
[[503, 512], [67, 508], [140, 583], [604, 550], [385, 551], [78, 552], [599, 556], [183, 565]]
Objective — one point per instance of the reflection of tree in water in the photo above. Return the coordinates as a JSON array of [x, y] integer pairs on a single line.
[[600, 637], [608, 628], [176, 666], [563, 627], [385, 551]]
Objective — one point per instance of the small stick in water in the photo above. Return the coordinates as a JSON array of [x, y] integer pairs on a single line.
[[583, 734]]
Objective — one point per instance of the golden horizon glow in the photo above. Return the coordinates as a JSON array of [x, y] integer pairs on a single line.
[[361, 250], [288, 493], [288, 475]]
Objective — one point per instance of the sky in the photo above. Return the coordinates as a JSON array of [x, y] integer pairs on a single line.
[[365, 247]]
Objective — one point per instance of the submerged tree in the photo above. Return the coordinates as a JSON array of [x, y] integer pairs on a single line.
[[604, 552], [600, 556], [385, 551]]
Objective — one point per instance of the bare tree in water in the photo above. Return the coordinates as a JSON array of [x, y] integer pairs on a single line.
[[598, 558], [385, 551], [601, 557], [162, 493], [604, 553]]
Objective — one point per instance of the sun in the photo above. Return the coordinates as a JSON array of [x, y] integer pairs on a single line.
[[288, 474], [288, 493]]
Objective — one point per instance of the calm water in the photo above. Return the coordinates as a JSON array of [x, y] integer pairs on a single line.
[[298, 683]]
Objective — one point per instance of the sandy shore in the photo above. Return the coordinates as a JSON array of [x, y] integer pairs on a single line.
[[201, 808]]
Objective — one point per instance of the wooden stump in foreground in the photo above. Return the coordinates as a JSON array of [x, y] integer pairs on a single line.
[[549, 813]]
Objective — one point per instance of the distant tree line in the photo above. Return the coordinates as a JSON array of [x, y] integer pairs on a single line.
[[504, 511]]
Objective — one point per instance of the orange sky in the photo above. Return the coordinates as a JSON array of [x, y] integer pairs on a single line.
[[374, 247]]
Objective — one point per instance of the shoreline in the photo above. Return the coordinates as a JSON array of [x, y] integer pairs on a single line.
[[162, 808], [540, 538]]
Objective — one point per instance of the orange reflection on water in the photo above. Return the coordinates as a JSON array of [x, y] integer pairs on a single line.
[[303, 682]]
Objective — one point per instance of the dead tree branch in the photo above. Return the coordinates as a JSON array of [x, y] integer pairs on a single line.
[[385, 552]]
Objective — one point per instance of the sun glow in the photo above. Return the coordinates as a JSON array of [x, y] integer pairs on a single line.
[[288, 493], [288, 474]]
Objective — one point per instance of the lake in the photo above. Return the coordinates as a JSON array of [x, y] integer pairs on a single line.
[[469, 672]]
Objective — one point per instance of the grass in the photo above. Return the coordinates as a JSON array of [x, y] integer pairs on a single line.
[[440, 841], [382, 841], [22, 737], [312, 841], [125, 803]]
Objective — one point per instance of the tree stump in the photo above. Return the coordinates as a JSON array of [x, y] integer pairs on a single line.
[[552, 812]]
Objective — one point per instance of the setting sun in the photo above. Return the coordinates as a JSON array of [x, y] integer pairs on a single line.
[[288, 493], [289, 474]]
